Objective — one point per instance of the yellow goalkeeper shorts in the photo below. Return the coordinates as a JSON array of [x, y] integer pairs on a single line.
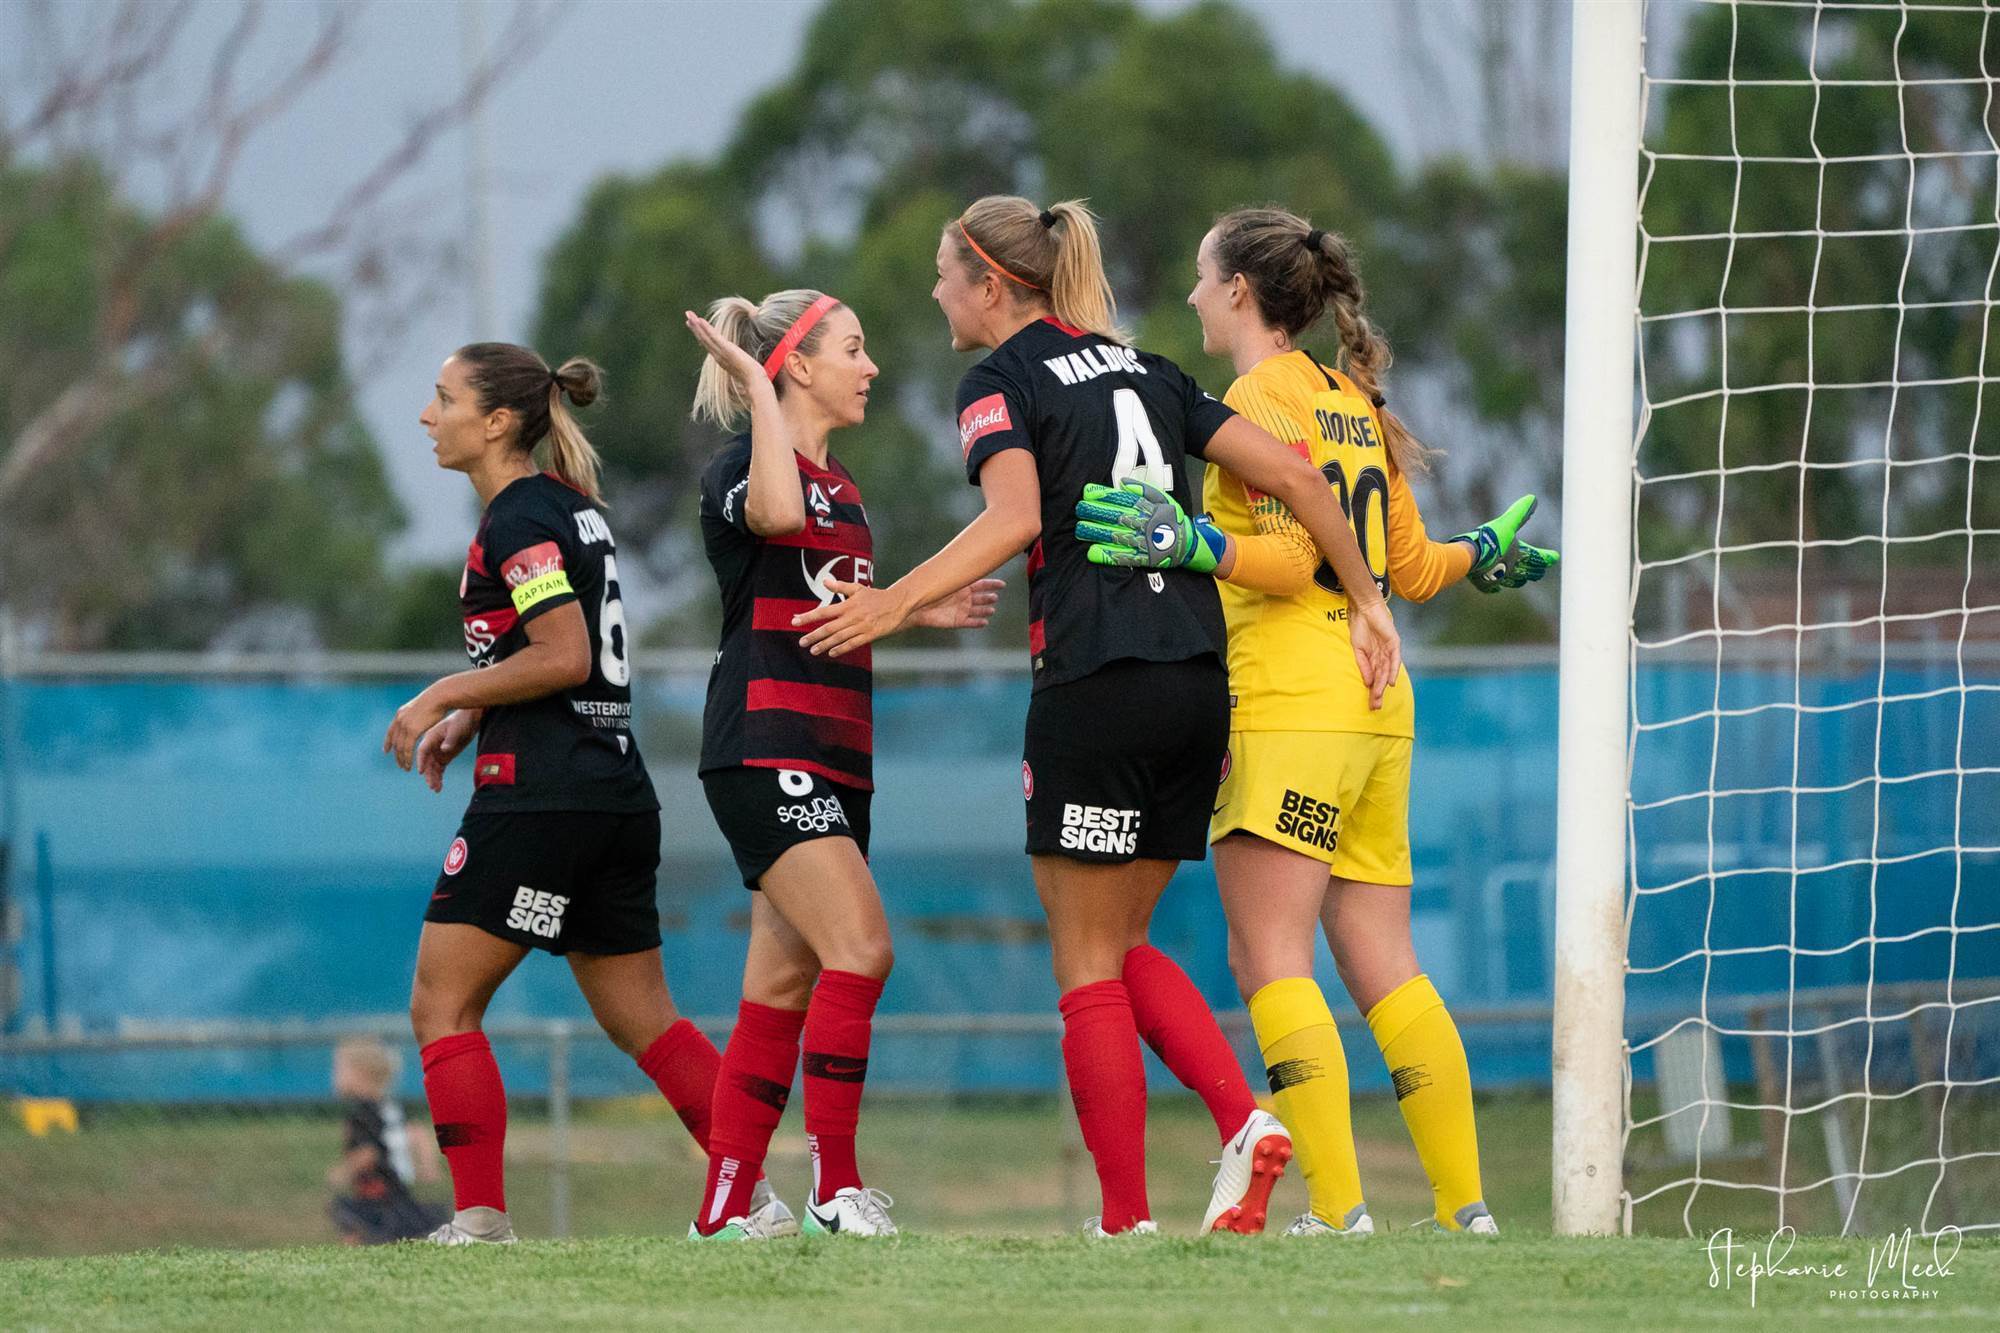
[[1342, 797]]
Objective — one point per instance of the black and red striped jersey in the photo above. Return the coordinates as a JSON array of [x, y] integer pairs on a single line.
[[543, 544], [1090, 409], [771, 703]]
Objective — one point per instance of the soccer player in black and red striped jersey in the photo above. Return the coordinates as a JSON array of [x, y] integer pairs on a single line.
[[561, 841], [1130, 712], [787, 746]]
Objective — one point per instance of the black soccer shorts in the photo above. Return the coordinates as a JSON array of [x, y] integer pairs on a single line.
[[765, 812], [564, 881], [1123, 764]]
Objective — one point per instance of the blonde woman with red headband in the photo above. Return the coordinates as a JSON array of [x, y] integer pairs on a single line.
[[787, 751]]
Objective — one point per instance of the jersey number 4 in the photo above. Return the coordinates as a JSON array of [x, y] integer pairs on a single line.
[[1139, 456]]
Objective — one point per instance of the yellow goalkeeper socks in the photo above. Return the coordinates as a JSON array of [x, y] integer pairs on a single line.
[[1426, 1062], [1308, 1073]]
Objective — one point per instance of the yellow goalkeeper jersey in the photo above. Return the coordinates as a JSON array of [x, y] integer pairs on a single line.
[[1291, 666]]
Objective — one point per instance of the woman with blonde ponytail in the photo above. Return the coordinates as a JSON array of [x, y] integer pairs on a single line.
[[787, 753], [1130, 707], [561, 842], [1311, 823]]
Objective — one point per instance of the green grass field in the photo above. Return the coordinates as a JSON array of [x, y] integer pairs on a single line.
[[965, 1282], [990, 1192]]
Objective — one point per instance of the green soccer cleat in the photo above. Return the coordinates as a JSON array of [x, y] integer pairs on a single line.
[[736, 1228]]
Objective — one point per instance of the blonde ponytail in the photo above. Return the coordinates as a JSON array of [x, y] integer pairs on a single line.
[[571, 455], [1051, 256], [1078, 288], [757, 329], [718, 398]]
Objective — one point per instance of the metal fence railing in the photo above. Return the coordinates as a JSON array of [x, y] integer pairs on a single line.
[[173, 1135]]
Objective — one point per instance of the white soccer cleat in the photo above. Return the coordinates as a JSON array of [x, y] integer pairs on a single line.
[[1250, 1166], [769, 1217], [1474, 1220], [1359, 1223], [475, 1226], [850, 1212], [1094, 1229]]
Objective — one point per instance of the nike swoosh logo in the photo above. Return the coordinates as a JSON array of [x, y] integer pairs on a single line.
[[831, 1223], [1218, 810], [1244, 1137]]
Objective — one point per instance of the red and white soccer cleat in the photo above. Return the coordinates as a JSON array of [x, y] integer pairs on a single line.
[[1250, 1166]]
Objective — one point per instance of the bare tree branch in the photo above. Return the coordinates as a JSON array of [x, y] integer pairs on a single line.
[[528, 26], [202, 156], [133, 53]]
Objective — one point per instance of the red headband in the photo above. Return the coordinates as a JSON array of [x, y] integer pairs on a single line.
[[796, 334], [993, 263]]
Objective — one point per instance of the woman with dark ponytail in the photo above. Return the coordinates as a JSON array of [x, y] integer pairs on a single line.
[[1130, 706], [561, 842], [1311, 824]]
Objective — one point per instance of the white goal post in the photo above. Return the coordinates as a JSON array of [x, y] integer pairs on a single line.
[[1777, 917], [1595, 655]]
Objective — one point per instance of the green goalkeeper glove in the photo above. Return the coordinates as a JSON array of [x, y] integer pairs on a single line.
[[1499, 559], [1138, 526]]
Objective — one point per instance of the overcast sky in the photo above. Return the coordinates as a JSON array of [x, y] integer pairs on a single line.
[[626, 85]]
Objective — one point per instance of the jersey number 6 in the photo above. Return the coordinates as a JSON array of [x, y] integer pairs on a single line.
[[611, 655]]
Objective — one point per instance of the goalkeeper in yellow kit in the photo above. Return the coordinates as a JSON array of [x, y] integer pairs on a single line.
[[1311, 824]]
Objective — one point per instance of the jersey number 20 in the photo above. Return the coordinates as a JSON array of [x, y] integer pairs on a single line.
[[1371, 488]]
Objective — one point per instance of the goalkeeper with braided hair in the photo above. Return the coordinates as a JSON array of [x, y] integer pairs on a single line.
[[1311, 827]]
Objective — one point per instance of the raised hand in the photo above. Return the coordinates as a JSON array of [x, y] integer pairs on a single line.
[[735, 361], [1499, 559]]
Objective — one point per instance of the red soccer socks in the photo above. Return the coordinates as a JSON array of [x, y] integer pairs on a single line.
[[683, 1064], [751, 1089], [1176, 1022], [469, 1110], [838, 1022], [1107, 1081]]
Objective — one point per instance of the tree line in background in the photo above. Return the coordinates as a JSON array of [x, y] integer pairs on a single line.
[[200, 500], [843, 175]]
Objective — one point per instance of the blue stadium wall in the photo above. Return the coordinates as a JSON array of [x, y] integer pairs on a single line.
[[242, 851]]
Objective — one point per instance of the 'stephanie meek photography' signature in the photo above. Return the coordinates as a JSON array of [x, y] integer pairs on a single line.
[[1901, 1266]]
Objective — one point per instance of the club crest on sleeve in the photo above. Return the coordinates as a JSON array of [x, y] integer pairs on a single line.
[[454, 857], [1027, 782]]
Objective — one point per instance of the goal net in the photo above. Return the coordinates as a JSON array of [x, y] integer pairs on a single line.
[[1812, 882]]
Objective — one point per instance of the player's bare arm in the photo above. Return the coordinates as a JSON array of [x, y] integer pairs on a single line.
[[557, 657], [1255, 457], [772, 503], [1007, 526]]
